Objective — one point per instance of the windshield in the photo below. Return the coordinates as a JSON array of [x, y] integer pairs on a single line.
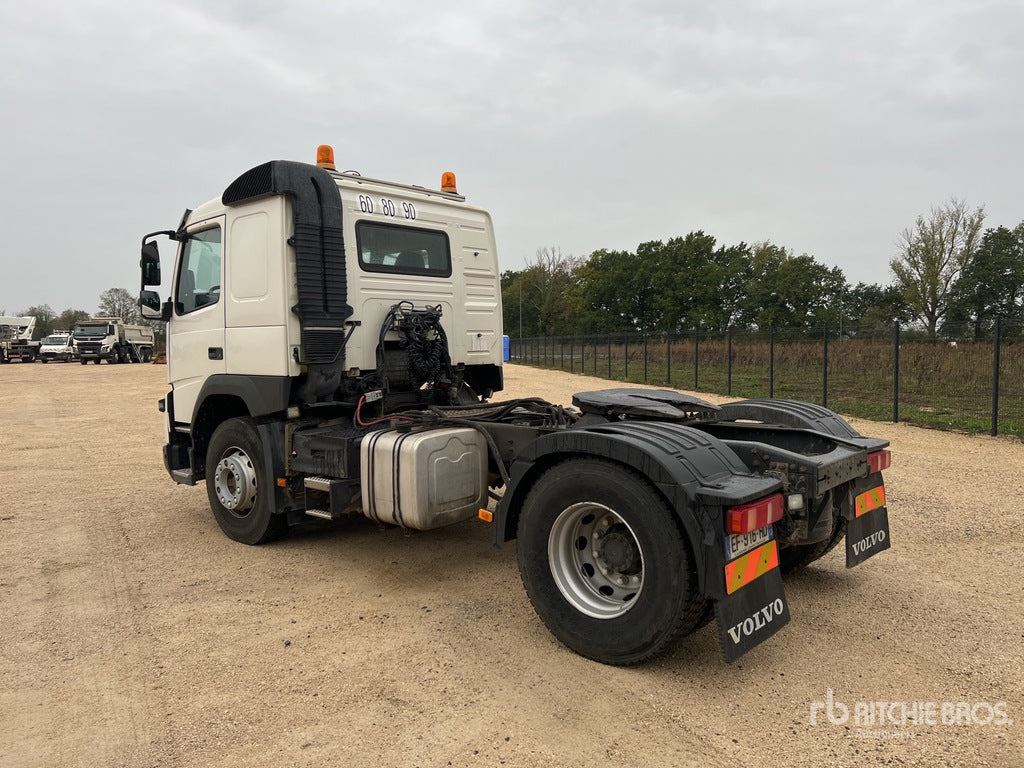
[[55, 340], [91, 330]]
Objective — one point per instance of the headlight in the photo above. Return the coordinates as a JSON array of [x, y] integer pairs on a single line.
[[105, 348]]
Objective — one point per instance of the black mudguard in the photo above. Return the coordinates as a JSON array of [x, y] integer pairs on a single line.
[[790, 413]]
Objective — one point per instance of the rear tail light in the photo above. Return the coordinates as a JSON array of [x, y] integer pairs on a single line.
[[750, 517], [879, 460]]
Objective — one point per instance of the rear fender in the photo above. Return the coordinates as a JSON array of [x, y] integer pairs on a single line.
[[697, 474]]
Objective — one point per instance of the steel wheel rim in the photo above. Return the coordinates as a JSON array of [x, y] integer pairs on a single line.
[[234, 482], [596, 560]]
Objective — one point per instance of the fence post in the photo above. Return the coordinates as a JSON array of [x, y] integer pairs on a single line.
[[668, 359], [771, 360], [995, 378], [609, 355], [728, 361], [595, 355], [696, 356], [561, 354], [824, 376], [645, 358], [625, 342], [896, 371]]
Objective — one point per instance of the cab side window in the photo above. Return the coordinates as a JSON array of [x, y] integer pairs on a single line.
[[199, 279]]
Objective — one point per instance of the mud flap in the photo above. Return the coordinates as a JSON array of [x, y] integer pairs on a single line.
[[866, 535], [867, 520], [751, 615]]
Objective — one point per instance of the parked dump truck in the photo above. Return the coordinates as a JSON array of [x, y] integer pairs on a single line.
[[16, 341], [58, 346], [334, 347], [113, 340]]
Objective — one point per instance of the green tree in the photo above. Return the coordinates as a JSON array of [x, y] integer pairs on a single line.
[[695, 285], [615, 291], [119, 302], [992, 284], [932, 256], [872, 309], [791, 291], [69, 318], [538, 295]]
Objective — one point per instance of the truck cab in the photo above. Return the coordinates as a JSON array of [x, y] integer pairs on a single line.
[[282, 287]]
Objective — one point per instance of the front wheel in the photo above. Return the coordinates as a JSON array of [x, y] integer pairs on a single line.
[[240, 489], [606, 563]]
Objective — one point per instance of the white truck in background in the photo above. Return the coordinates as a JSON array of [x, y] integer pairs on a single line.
[[58, 346], [16, 339], [113, 340]]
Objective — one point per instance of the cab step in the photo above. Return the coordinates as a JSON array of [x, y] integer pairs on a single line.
[[327, 498]]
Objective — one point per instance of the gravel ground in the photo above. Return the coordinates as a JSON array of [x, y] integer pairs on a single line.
[[136, 634]]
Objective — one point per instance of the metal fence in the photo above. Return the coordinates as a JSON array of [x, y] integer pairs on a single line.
[[954, 383]]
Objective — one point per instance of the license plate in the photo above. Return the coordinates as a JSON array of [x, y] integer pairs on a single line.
[[737, 544]]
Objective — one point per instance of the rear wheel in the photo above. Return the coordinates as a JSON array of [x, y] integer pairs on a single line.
[[606, 563], [240, 489]]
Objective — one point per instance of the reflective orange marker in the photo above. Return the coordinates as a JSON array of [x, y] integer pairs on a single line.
[[486, 516]]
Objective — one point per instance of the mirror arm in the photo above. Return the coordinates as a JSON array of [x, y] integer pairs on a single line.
[[169, 232]]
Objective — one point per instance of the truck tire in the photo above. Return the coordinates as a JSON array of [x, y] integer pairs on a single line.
[[606, 563], [83, 361], [240, 489]]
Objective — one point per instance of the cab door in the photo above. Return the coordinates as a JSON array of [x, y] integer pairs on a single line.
[[196, 329]]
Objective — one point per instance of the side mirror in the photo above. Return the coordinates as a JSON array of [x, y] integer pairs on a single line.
[[150, 265], [151, 308]]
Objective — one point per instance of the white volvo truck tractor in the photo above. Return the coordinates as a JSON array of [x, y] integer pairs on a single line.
[[334, 348]]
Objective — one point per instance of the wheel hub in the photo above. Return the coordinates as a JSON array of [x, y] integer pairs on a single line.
[[235, 482], [617, 552], [595, 560]]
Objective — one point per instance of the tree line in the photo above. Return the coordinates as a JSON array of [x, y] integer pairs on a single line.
[[948, 272]]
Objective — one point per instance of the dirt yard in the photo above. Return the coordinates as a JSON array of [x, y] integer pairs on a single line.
[[135, 634]]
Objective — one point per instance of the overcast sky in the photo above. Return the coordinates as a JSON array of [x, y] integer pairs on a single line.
[[825, 127]]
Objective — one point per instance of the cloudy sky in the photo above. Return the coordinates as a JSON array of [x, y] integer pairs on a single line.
[[823, 126]]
